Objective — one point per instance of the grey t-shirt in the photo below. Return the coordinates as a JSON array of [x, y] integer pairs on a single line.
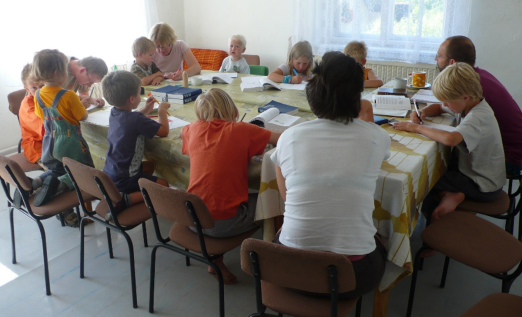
[[241, 66], [481, 156]]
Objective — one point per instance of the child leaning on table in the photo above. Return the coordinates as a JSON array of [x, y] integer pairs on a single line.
[[143, 51], [298, 66], [220, 148], [61, 111], [359, 51], [126, 137], [30, 124], [235, 62], [476, 170]]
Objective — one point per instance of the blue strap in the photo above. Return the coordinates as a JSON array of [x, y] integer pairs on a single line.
[[58, 97]]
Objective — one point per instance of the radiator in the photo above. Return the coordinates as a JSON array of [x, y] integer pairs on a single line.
[[390, 70]]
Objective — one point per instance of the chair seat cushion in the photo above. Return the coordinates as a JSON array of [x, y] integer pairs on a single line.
[[131, 216], [208, 59], [505, 305], [474, 241], [498, 206], [183, 236], [25, 165], [286, 301], [59, 203]]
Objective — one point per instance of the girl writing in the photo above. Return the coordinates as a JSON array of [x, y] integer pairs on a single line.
[[298, 66]]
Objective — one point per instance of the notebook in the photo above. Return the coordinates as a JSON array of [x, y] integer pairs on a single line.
[[283, 108], [219, 78], [257, 83]]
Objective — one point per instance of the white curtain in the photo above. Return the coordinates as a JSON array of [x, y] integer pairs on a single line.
[[394, 30]]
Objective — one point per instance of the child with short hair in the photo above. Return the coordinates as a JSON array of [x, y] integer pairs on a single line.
[[61, 110], [126, 137], [30, 124], [220, 149], [359, 51], [143, 51], [235, 62], [298, 66], [477, 169]]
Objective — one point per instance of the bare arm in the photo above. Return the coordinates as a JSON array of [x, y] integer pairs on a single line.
[[366, 113], [281, 182], [154, 79], [193, 65], [429, 111], [274, 136], [373, 81], [276, 76], [441, 136], [149, 106], [163, 119]]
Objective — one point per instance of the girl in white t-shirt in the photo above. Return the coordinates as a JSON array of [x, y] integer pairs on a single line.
[[298, 66]]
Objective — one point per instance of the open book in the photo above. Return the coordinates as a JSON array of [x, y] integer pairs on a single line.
[[392, 102], [425, 95], [257, 83], [218, 78], [273, 120]]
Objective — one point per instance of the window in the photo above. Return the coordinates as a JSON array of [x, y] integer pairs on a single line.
[[394, 30]]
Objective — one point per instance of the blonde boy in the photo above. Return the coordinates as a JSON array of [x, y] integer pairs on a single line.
[[30, 124], [235, 62], [143, 51], [359, 50], [476, 170]]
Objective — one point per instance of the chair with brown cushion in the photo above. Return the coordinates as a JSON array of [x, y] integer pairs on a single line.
[[12, 174], [186, 210], [98, 184], [277, 269], [252, 59], [494, 305], [474, 242], [208, 59]]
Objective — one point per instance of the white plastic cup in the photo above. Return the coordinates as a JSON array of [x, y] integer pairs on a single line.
[[400, 83], [196, 81]]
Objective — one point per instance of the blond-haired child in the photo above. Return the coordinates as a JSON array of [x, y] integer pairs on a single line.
[[220, 149], [143, 51], [298, 66], [30, 124], [61, 110], [477, 169], [359, 51], [235, 62], [126, 137]]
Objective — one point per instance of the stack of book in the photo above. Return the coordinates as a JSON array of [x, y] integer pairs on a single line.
[[176, 94]]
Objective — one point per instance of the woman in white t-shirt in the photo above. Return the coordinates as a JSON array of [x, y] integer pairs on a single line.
[[171, 52], [327, 172]]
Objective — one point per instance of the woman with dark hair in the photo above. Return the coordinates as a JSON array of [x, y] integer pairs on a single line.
[[327, 172]]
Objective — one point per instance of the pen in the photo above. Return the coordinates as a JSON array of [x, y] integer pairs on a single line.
[[243, 117], [417, 110], [92, 90], [295, 72]]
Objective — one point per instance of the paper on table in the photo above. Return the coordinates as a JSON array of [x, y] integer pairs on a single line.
[[100, 118], [425, 95], [92, 107], [176, 123], [390, 112], [300, 86], [252, 79], [443, 127]]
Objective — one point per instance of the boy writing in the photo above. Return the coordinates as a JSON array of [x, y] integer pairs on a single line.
[[235, 62], [359, 50], [143, 51], [476, 170], [126, 136]]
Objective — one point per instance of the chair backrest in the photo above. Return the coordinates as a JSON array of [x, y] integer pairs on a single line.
[[84, 177], [208, 59], [170, 204], [252, 59], [18, 173], [296, 268], [258, 70], [15, 100]]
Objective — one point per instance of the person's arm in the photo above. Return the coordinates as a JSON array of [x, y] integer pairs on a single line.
[[441, 136], [163, 119], [276, 76], [281, 182], [429, 111], [274, 136], [154, 79], [149, 106], [366, 113], [84, 117], [193, 65], [373, 81]]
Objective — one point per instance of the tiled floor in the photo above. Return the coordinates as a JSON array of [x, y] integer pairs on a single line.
[[180, 290]]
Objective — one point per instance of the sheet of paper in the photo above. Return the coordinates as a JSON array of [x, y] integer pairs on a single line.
[[252, 79], [92, 107], [176, 123], [300, 86], [100, 118], [390, 112], [425, 95]]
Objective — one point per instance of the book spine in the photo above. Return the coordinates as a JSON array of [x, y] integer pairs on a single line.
[[185, 96], [186, 100]]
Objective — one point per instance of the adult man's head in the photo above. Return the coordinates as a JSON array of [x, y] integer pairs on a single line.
[[90, 70], [455, 49]]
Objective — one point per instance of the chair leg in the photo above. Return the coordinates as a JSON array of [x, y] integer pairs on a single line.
[[46, 265], [132, 270], [519, 225], [187, 259], [444, 272], [145, 243], [358, 307], [62, 221], [416, 264], [221, 289], [11, 222], [152, 278], [82, 247], [109, 242]]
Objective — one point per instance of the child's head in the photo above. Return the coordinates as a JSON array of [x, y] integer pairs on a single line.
[[236, 46], [301, 57], [50, 66], [143, 50], [334, 92], [455, 82], [357, 50], [30, 84], [215, 104], [163, 37], [119, 86]]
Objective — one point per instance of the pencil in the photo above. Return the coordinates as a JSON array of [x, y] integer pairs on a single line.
[[243, 117], [155, 99]]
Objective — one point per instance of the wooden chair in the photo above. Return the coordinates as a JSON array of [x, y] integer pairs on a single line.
[[12, 174], [99, 185], [252, 59], [494, 305], [474, 242], [278, 269], [186, 210]]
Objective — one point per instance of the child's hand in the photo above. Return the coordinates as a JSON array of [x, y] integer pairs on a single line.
[[156, 81], [296, 79], [163, 106], [405, 126], [415, 119], [149, 104]]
